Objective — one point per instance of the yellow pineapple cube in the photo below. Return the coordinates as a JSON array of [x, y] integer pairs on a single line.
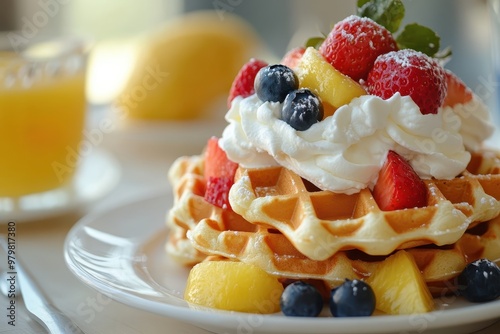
[[233, 286], [333, 87], [399, 286]]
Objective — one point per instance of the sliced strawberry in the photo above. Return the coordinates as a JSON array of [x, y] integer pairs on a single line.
[[217, 164], [217, 192], [243, 82], [353, 45], [219, 174], [411, 73], [398, 186], [458, 92], [293, 56]]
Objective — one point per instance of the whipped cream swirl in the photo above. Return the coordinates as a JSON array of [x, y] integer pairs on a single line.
[[344, 152], [476, 125]]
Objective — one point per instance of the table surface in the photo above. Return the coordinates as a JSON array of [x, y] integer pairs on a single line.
[[40, 245]]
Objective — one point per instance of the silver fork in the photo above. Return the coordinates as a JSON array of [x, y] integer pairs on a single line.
[[51, 318]]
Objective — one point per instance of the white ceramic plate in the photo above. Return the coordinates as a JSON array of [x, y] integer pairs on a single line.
[[120, 253], [97, 174]]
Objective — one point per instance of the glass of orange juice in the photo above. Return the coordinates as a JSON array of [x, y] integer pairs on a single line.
[[42, 115]]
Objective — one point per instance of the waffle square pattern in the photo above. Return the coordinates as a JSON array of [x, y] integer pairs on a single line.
[[321, 223], [293, 230]]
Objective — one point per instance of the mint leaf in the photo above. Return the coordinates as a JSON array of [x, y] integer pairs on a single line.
[[388, 13], [420, 38], [315, 42]]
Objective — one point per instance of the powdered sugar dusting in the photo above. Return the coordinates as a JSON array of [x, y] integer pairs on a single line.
[[361, 21], [410, 58], [364, 27]]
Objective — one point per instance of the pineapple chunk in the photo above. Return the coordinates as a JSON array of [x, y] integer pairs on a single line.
[[233, 286], [400, 287], [333, 87]]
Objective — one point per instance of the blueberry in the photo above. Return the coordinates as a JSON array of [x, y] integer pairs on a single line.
[[301, 109], [300, 299], [480, 281], [352, 299], [274, 82]]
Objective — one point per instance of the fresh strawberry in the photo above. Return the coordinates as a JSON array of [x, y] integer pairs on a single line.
[[217, 163], [217, 192], [293, 56], [411, 73], [353, 45], [398, 186], [243, 82], [219, 174], [458, 92]]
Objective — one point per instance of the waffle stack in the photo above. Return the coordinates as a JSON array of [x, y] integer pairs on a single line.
[[291, 229]]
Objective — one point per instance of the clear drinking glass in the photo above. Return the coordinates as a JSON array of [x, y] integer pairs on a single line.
[[42, 114]]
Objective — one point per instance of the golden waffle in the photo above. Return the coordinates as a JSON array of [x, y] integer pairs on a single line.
[[274, 253], [321, 223], [186, 177], [189, 208], [216, 232]]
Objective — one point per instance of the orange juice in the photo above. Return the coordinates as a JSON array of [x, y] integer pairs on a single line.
[[41, 122]]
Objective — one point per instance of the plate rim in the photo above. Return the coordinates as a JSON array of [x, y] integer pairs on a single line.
[[111, 163], [438, 319]]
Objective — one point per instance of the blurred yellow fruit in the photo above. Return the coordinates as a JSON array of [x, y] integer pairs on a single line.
[[186, 65], [333, 87], [399, 286], [233, 286]]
